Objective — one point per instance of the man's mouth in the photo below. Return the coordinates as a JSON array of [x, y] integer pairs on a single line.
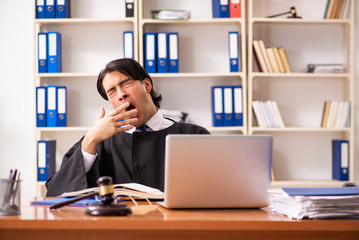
[[130, 107]]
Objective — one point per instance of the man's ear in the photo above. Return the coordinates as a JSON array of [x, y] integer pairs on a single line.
[[148, 84]]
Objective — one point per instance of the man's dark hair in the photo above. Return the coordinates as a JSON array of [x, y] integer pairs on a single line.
[[130, 68]]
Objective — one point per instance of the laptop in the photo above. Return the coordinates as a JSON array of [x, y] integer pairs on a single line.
[[217, 171]]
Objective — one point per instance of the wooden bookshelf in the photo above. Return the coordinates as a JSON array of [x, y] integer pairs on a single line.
[[203, 62], [285, 88]]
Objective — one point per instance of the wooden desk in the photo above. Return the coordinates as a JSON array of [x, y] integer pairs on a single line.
[[155, 222]]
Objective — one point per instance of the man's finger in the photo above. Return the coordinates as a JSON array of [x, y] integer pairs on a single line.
[[125, 114], [126, 122], [102, 113], [119, 109]]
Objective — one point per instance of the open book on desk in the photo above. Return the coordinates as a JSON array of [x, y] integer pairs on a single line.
[[134, 190]]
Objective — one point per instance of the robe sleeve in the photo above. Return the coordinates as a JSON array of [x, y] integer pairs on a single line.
[[71, 176]]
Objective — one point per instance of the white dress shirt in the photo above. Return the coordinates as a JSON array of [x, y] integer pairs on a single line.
[[156, 123]]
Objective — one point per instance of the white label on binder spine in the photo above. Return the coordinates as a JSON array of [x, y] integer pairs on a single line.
[[51, 95], [233, 47], [41, 155], [238, 100], [42, 46], [150, 51], [128, 45], [218, 100], [173, 47], [228, 100], [52, 44], [345, 155], [40, 100], [61, 100], [162, 48]]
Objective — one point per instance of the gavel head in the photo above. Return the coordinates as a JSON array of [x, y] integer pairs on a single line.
[[106, 190], [293, 11]]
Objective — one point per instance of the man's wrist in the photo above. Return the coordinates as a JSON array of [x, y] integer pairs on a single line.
[[89, 145]]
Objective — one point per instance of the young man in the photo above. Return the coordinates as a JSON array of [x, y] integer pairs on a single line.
[[128, 144]]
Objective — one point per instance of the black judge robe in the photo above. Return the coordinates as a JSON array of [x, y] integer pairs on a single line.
[[137, 157]]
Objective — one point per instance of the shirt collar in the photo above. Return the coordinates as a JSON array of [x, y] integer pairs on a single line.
[[155, 122]]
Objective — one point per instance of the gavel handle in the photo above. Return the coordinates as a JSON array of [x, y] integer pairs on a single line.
[[72, 200], [277, 15]]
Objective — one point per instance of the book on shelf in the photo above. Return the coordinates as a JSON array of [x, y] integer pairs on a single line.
[[336, 9], [336, 114], [270, 59], [325, 114], [283, 57], [259, 57], [278, 59], [265, 55], [134, 190], [258, 114], [267, 114]]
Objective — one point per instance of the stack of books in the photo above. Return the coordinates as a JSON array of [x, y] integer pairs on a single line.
[[336, 9], [270, 59], [315, 203], [267, 114], [336, 114]]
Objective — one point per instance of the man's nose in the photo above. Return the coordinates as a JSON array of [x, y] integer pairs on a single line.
[[122, 96]]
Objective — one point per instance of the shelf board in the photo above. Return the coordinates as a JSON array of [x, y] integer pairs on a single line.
[[225, 129], [199, 75], [83, 20], [64, 74], [299, 129], [193, 21], [62, 129], [80, 129], [156, 75], [299, 21], [300, 75], [306, 183]]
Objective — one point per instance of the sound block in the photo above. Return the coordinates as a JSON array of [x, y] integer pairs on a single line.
[[108, 210]]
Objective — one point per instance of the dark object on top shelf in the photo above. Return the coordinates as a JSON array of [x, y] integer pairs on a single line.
[[292, 11]]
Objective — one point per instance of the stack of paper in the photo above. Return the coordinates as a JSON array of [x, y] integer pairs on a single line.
[[170, 14], [315, 203]]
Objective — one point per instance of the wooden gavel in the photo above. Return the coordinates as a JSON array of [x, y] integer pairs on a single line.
[[106, 207]]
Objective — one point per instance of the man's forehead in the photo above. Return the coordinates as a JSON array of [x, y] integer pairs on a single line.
[[114, 78]]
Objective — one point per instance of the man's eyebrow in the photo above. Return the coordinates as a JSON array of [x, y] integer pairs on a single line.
[[124, 81], [111, 89]]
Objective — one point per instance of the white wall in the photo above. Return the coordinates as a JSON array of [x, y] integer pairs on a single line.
[[17, 140], [17, 91], [356, 87]]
